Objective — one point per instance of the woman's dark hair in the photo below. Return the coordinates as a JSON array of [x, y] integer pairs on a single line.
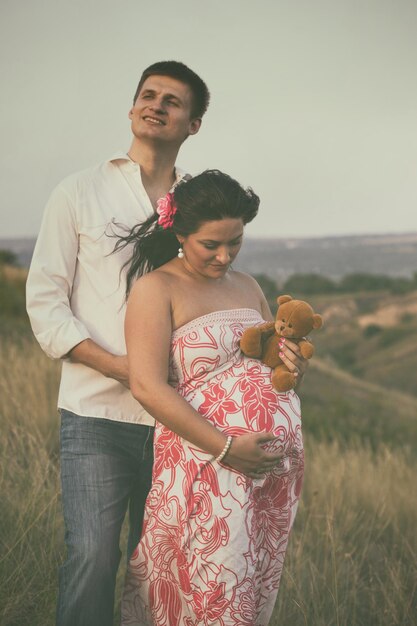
[[209, 196]]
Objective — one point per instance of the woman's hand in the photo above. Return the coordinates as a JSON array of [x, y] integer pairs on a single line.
[[246, 455], [293, 359]]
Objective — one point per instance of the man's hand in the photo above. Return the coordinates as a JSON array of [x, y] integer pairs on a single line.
[[119, 370], [110, 365]]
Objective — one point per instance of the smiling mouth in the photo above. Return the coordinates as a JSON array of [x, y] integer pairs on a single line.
[[153, 120]]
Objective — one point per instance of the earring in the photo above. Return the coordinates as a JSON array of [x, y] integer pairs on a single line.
[[180, 253]]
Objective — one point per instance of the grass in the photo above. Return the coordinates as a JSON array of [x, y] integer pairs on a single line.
[[30, 523], [352, 554]]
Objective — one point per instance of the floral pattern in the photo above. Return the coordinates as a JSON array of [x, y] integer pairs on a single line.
[[214, 541]]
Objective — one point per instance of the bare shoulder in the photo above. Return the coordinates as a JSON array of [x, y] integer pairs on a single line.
[[155, 285], [253, 292], [247, 281]]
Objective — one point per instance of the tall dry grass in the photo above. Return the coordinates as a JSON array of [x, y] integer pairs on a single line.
[[352, 554], [30, 522]]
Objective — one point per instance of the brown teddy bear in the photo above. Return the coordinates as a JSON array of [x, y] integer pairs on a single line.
[[294, 320]]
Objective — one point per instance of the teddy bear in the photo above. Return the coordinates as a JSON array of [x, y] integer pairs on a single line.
[[294, 320]]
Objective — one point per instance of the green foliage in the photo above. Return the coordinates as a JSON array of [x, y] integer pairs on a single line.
[[268, 286], [340, 410], [407, 318], [353, 283], [309, 284], [12, 296], [391, 335], [371, 330], [7, 257], [402, 285], [364, 282]]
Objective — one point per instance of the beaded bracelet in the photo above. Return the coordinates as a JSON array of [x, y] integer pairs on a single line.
[[225, 449]]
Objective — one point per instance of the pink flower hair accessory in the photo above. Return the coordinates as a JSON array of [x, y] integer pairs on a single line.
[[166, 210]]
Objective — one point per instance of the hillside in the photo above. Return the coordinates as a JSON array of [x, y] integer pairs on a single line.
[[373, 336], [342, 407], [362, 381]]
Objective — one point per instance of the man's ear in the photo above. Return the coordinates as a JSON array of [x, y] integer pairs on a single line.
[[194, 126], [130, 114]]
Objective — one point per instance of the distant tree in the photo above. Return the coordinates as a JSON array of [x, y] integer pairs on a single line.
[[407, 318], [309, 284], [364, 282], [371, 330], [402, 285], [393, 335], [12, 297], [7, 257], [268, 286]]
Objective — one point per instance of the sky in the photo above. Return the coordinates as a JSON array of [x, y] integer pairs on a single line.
[[313, 103]]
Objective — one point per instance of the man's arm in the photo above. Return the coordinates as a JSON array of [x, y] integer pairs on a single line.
[[48, 291], [89, 353]]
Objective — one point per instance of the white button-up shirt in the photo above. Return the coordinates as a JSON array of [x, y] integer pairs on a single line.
[[76, 287]]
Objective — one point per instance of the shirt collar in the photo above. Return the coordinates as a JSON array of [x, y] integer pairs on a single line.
[[180, 174]]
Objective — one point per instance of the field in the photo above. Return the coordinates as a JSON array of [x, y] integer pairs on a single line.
[[352, 555]]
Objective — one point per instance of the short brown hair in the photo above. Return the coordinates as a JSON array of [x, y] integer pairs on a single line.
[[181, 72]]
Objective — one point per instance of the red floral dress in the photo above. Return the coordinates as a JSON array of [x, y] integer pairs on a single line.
[[214, 541]]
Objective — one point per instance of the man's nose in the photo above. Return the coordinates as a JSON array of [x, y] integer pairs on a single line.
[[157, 106]]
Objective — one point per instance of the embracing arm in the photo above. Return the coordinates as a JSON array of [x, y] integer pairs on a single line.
[[48, 291], [89, 353], [148, 337]]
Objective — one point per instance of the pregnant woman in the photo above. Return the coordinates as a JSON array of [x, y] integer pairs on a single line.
[[228, 448]]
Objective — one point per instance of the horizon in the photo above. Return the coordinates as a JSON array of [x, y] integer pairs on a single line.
[[389, 254], [376, 235]]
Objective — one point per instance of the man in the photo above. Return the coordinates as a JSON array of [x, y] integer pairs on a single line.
[[75, 301]]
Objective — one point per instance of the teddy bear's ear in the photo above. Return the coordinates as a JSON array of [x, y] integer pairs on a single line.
[[283, 299], [317, 321]]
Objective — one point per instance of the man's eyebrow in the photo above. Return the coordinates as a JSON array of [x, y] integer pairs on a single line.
[[172, 95], [168, 96]]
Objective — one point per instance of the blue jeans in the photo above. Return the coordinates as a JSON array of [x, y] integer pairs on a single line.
[[106, 467]]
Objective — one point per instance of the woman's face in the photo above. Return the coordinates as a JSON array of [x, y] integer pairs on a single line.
[[210, 251]]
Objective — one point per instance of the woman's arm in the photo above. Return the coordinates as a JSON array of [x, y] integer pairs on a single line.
[[148, 332]]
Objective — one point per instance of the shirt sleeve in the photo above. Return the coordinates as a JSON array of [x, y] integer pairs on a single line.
[[50, 278]]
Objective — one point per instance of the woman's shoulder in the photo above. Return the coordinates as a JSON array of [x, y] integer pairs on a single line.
[[246, 280], [154, 282], [253, 291]]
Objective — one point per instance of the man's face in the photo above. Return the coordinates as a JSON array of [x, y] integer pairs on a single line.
[[162, 111]]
